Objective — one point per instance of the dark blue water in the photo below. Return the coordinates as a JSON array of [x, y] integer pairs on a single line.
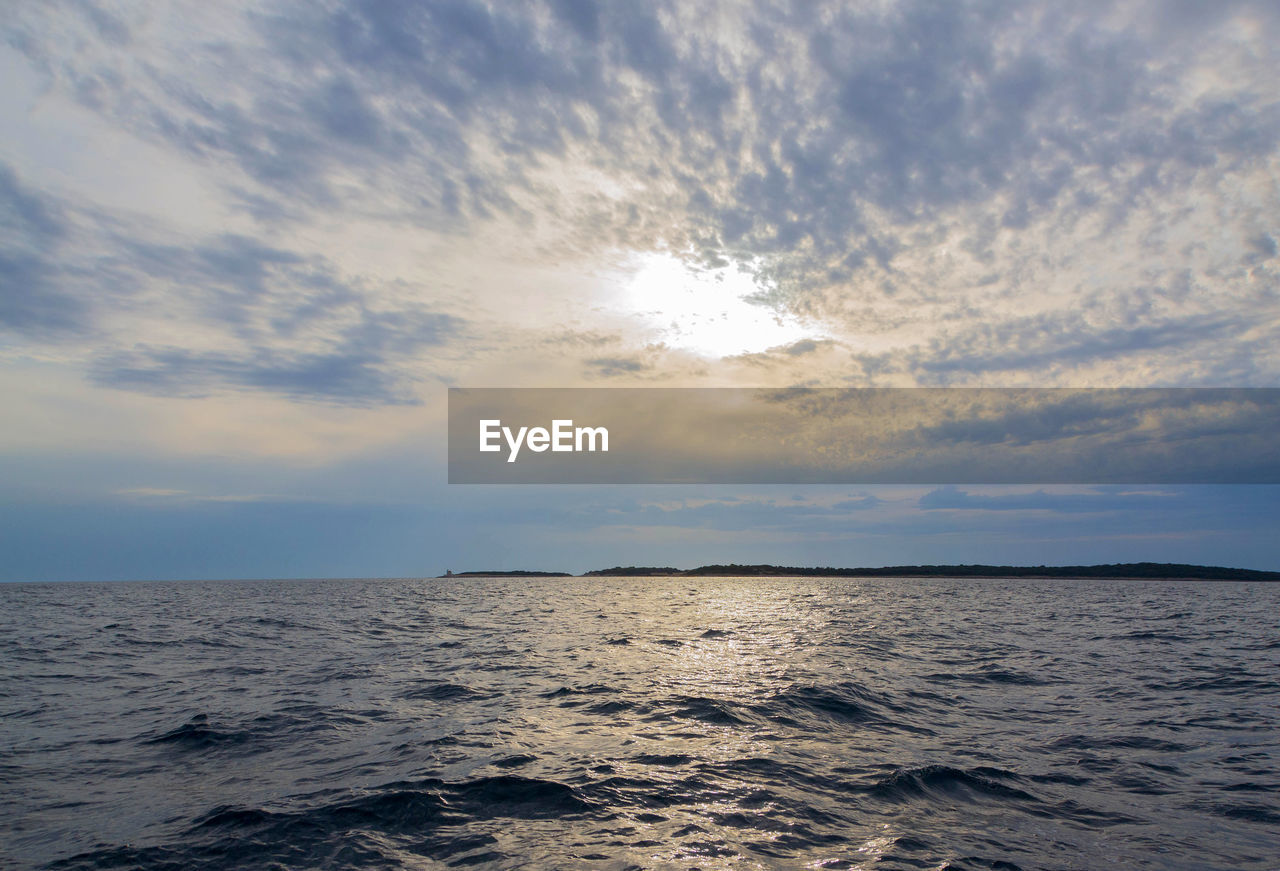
[[640, 723]]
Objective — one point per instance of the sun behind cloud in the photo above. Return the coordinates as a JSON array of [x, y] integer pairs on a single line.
[[709, 311]]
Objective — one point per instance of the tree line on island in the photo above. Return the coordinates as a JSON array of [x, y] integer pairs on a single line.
[[1161, 571]]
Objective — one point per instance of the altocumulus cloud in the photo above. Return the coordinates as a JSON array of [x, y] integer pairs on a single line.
[[959, 192]]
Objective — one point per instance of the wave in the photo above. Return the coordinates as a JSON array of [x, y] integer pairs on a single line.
[[353, 830], [1118, 742], [444, 691], [198, 733], [1254, 813], [930, 780], [989, 675], [587, 690]]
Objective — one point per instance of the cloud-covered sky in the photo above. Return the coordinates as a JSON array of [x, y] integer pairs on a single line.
[[245, 247]]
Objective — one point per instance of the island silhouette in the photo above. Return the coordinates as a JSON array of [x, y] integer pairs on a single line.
[[1143, 570]]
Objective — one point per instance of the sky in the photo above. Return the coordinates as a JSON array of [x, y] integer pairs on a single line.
[[245, 248]]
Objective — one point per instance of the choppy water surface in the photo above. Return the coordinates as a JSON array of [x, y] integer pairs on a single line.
[[640, 723]]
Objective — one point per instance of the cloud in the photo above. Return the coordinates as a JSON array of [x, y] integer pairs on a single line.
[[955, 192], [906, 109], [950, 498], [352, 378], [1063, 338], [805, 346], [287, 324], [610, 366], [32, 298], [859, 504], [256, 316]]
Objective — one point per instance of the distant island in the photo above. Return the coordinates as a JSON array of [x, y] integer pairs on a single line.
[[637, 572], [1161, 571], [514, 574]]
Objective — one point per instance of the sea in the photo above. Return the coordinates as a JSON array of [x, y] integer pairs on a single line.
[[640, 723]]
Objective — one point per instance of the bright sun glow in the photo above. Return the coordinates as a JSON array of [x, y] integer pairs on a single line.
[[706, 311]]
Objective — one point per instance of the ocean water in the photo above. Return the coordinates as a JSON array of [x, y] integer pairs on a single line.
[[640, 723]]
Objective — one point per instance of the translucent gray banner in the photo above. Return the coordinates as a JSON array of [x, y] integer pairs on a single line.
[[864, 436]]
